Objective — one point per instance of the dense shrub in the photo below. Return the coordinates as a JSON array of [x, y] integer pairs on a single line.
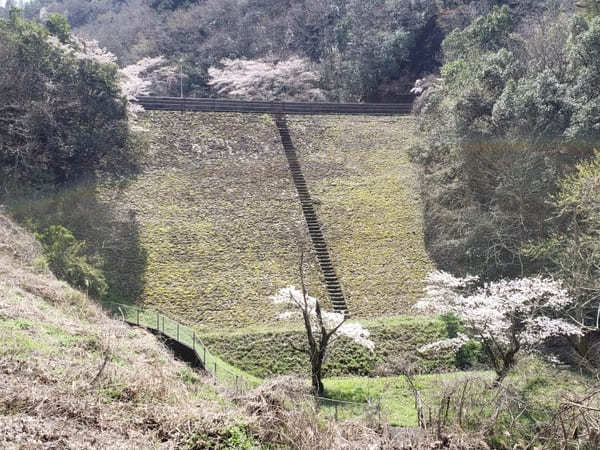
[[512, 114], [62, 116], [572, 251]]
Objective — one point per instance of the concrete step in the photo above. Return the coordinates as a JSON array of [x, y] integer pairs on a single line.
[[319, 243]]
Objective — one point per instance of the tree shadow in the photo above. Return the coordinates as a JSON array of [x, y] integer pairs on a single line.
[[95, 213]]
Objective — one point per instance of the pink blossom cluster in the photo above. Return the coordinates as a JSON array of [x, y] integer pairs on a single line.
[[84, 50], [289, 79], [138, 78], [135, 79], [293, 297], [524, 311]]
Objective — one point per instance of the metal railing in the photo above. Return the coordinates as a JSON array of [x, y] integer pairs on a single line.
[[186, 336], [342, 410], [221, 105], [228, 375]]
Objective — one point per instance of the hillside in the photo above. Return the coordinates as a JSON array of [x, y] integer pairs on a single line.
[[211, 226], [72, 377]]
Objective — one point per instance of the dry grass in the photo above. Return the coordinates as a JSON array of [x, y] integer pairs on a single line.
[[71, 377], [283, 413]]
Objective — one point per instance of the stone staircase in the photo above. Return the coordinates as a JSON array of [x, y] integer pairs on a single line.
[[332, 283]]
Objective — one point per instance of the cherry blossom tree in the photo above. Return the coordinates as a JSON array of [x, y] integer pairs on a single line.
[[141, 78], [148, 75], [322, 328], [505, 316], [289, 79]]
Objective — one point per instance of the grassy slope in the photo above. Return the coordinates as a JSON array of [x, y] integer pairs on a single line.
[[206, 232], [54, 343], [265, 351], [219, 222], [210, 228], [358, 168]]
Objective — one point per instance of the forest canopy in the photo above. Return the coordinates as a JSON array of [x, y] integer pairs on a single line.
[[362, 50], [509, 172]]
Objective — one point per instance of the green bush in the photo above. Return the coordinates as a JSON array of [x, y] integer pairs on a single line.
[[471, 353], [513, 112], [62, 253], [63, 116]]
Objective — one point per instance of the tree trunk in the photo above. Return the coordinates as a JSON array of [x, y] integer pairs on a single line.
[[317, 376], [507, 363]]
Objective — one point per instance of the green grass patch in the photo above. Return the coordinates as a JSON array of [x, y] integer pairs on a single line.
[[270, 351], [535, 382], [392, 394], [358, 169], [20, 338]]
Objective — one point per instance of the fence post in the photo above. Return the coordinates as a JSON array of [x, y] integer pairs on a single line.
[[163, 330], [194, 341], [138, 316], [236, 383], [157, 320], [177, 331], [336, 412]]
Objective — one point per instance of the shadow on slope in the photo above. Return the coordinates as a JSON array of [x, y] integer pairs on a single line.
[[94, 214]]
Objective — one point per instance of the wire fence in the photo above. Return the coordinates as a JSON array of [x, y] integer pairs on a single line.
[[186, 336], [228, 375]]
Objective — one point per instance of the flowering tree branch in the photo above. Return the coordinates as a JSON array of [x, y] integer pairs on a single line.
[[322, 328], [505, 316]]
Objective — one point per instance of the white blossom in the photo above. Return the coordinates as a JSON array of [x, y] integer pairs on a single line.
[[266, 80], [452, 344], [294, 298], [136, 79], [510, 313], [84, 50]]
